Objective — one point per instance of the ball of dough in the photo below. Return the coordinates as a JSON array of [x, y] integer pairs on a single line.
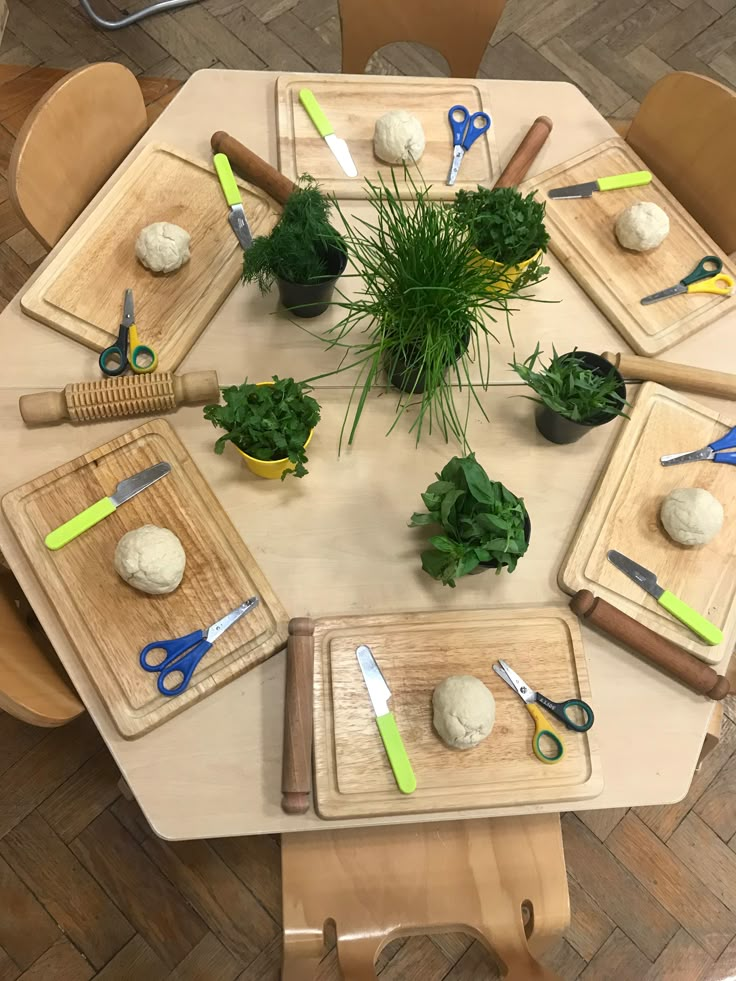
[[398, 137], [643, 226], [150, 558], [691, 515], [162, 247], [464, 711]]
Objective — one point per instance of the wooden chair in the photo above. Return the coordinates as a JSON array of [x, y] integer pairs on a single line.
[[685, 131], [480, 877], [460, 30], [71, 143]]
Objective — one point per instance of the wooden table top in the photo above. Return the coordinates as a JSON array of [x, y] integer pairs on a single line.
[[338, 542]]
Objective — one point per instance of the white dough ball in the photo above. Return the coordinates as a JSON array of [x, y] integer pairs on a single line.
[[398, 137], [691, 515], [162, 246], [464, 711], [642, 227], [151, 559]]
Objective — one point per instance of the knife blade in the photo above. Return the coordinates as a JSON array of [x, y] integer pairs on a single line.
[[325, 129], [379, 694], [585, 190], [681, 611], [86, 519], [236, 215]]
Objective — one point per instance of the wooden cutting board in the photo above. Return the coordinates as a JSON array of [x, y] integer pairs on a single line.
[[108, 621], [417, 651], [583, 239], [353, 104], [80, 293], [623, 514]]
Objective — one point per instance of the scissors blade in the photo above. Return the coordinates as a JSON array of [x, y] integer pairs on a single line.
[[128, 309], [229, 619], [457, 158], [664, 294], [513, 680], [672, 459]]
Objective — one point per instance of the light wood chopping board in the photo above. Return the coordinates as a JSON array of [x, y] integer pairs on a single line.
[[80, 293], [108, 621], [623, 514], [415, 652], [582, 237], [353, 104]]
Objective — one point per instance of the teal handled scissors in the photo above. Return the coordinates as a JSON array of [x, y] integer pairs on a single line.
[[183, 654], [114, 359], [466, 128], [706, 277], [560, 710]]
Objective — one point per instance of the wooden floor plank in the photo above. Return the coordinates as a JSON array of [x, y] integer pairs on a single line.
[[267, 966], [589, 926], [134, 962], [682, 29], [513, 56], [617, 959], [708, 857], [16, 739], [62, 962], [717, 806], [70, 894], [256, 860], [682, 958], [83, 796], [604, 93], [673, 885], [418, 960], [452, 945], [639, 26], [26, 929], [37, 36], [9, 970], [602, 823], [132, 818], [474, 965], [27, 247], [149, 901], [561, 958], [210, 960]]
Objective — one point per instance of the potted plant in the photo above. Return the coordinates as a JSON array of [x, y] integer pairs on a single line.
[[575, 393], [507, 228], [425, 309], [269, 423], [484, 526], [304, 255]]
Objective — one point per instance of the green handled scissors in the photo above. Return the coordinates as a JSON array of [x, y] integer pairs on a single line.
[[706, 277], [114, 359], [560, 710]]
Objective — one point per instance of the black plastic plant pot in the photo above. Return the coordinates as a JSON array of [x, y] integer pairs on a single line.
[[558, 429], [312, 299], [414, 380], [494, 563]]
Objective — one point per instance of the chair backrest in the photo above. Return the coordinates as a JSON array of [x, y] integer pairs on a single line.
[[685, 131], [460, 30], [70, 144]]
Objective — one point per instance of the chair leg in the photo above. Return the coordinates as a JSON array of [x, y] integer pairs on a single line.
[[357, 957], [301, 956]]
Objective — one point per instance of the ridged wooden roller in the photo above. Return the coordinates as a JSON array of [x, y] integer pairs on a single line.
[[126, 395]]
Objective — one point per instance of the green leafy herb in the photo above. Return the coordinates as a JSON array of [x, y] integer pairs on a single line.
[[268, 422], [296, 249], [424, 308], [482, 521], [505, 226], [570, 388]]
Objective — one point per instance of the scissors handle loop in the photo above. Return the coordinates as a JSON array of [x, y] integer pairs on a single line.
[[182, 656], [114, 359], [542, 731], [709, 265], [721, 284], [466, 128], [143, 359], [562, 711]]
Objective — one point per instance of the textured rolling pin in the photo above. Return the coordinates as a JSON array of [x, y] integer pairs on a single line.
[[125, 395], [296, 772], [252, 167], [516, 169], [678, 663], [701, 380]]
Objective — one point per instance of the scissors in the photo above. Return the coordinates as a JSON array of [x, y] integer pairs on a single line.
[[465, 131], [706, 277], [114, 359], [561, 711], [716, 452], [183, 654]]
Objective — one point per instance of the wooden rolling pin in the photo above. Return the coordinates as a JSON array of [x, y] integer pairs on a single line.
[[252, 167], [516, 169], [697, 675], [124, 395], [702, 380], [296, 772]]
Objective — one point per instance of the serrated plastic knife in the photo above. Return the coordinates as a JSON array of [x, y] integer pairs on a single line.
[[236, 216]]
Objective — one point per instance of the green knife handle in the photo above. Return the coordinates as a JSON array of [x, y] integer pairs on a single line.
[[315, 113], [693, 621], [81, 522], [396, 753], [227, 181], [636, 179]]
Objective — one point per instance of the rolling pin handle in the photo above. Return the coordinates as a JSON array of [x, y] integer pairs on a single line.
[[196, 386], [526, 152], [297, 760], [43, 408]]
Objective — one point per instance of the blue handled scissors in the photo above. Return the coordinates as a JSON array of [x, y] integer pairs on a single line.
[[183, 654], [717, 452], [466, 128]]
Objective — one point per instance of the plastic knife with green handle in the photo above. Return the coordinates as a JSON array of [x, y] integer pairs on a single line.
[[380, 693], [619, 181], [92, 515], [326, 131], [693, 620], [236, 217]]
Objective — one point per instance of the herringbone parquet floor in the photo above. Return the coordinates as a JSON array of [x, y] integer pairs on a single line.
[[86, 889]]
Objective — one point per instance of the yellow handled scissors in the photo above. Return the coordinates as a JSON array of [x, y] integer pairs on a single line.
[[142, 357], [114, 360], [706, 277]]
